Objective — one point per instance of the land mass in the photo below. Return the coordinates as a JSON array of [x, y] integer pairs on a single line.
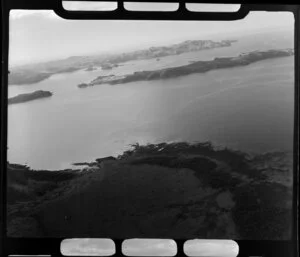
[[194, 67], [30, 74], [90, 68], [166, 190], [21, 98]]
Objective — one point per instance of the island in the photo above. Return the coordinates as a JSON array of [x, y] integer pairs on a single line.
[[194, 67], [82, 85], [90, 68], [34, 73], [106, 66], [29, 97], [104, 78]]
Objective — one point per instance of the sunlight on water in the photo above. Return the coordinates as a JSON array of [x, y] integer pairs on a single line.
[[223, 106]]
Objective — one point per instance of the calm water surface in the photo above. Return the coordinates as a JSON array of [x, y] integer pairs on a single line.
[[247, 108]]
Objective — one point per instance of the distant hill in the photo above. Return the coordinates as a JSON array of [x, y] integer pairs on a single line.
[[33, 73]]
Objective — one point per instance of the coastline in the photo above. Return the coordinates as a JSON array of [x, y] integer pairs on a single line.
[[34, 73], [194, 67], [65, 162], [153, 178]]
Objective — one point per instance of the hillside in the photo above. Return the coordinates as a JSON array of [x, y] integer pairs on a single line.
[[171, 190]]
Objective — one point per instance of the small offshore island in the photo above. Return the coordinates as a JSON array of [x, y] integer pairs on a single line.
[[22, 98], [195, 67]]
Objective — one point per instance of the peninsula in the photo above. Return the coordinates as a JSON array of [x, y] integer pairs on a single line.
[[23, 77], [29, 97], [34, 73], [195, 67]]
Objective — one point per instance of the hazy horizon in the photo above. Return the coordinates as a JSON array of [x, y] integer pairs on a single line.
[[38, 36]]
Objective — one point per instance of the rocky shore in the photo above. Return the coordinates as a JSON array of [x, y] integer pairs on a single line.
[[194, 67], [162, 190], [22, 98]]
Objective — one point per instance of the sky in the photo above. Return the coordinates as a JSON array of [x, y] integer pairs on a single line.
[[150, 247], [41, 35]]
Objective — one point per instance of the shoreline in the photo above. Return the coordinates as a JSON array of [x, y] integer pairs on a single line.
[[89, 162], [28, 74], [134, 148], [243, 59], [224, 191]]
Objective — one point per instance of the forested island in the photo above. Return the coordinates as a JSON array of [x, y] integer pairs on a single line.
[[34, 73], [21, 98], [195, 67]]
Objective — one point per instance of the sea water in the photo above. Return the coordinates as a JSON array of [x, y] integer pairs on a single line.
[[246, 108]]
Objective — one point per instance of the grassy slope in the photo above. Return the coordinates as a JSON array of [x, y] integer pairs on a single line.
[[164, 190]]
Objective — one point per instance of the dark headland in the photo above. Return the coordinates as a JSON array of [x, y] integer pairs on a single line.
[[29, 97], [161, 190], [195, 67]]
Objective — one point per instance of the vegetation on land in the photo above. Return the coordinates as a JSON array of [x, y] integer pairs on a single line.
[[34, 73], [22, 98], [194, 67], [220, 192]]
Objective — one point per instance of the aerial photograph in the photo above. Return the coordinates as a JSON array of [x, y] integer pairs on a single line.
[[150, 129]]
